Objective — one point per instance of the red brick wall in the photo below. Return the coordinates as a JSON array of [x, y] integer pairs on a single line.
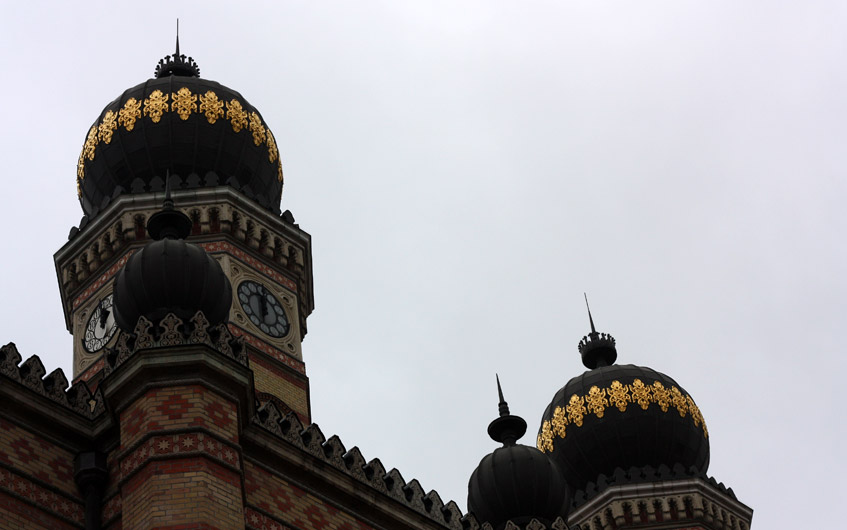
[[18, 515], [32, 455], [178, 407], [37, 489], [272, 500], [180, 462]]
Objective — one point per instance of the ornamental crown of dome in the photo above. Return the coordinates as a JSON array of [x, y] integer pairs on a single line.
[[177, 64], [597, 349]]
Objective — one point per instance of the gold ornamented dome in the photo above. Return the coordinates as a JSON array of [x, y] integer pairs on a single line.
[[204, 133], [621, 417]]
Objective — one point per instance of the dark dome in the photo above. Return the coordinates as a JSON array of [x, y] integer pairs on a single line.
[[204, 132], [516, 482], [170, 275], [622, 416]]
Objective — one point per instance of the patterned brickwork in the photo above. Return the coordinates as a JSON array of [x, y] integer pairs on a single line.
[[180, 445], [45, 501], [31, 455], [111, 511], [185, 493], [90, 372], [178, 407], [275, 381], [267, 349], [18, 515], [285, 503]]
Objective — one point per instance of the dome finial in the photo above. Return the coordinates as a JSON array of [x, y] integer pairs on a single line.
[[591, 320], [503, 406], [168, 223], [177, 38], [597, 349], [178, 64], [506, 429]]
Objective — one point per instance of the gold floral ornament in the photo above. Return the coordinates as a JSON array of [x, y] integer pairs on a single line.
[[107, 127], [640, 393], [183, 102], [211, 106], [661, 395], [156, 105], [679, 401], [236, 115], [619, 395], [545, 438], [80, 168], [257, 128], [576, 410], [90, 143], [596, 400], [559, 422], [273, 152], [279, 173], [696, 415], [130, 112]]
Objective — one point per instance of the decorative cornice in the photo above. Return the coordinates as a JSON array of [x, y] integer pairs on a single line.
[[533, 524], [649, 495], [172, 331], [620, 396]]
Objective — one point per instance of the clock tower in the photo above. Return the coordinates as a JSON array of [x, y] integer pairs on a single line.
[[223, 168]]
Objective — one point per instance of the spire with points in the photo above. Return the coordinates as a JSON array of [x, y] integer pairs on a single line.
[[177, 64], [597, 349], [506, 429]]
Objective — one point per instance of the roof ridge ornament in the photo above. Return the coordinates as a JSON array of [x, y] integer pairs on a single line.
[[177, 64], [506, 429], [597, 349]]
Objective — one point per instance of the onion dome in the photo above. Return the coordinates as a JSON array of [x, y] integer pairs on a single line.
[[516, 482], [620, 416], [169, 275], [200, 130]]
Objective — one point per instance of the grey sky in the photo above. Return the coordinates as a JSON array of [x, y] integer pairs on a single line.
[[467, 170]]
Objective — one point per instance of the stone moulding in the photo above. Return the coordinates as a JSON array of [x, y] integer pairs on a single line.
[[351, 462], [172, 331], [78, 398]]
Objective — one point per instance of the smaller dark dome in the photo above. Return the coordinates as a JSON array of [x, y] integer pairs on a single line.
[[170, 275], [516, 482]]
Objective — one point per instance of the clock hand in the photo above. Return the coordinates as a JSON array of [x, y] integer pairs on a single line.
[[263, 305], [104, 316]]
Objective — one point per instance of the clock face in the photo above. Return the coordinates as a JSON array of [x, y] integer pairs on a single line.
[[101, 326], [263, 309]]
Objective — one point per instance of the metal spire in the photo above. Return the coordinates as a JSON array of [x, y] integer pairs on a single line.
[[177, 39], [589, 313], [502, 406]]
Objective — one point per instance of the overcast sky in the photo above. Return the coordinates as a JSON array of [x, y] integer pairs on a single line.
[[467, 170]]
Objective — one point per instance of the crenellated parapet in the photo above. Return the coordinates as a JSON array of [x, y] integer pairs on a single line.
[[371, 473], [30, 373]]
